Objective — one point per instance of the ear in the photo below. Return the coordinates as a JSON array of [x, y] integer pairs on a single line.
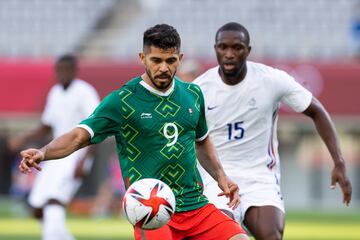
[[142, 57], [249, 50], [181, 56]]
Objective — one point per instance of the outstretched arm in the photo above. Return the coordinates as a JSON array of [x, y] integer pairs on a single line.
[[327, 132], [58, 148], [209, 161]]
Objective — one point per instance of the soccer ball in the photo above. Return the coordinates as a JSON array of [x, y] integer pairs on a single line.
[[149, 203]]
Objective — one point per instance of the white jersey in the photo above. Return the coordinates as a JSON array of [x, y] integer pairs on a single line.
[[63, 111], [66, 108], [242, 119]]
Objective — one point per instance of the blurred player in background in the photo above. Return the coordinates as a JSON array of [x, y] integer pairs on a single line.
[[68, 102], [242, 100], [156, 119], [108, 200], [189, 70]]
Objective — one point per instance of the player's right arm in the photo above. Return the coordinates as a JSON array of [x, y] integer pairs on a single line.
[[58, 148]]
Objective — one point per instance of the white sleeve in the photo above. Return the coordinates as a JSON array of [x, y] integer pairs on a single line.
[[292, 93], [48, 113], [92, 101]]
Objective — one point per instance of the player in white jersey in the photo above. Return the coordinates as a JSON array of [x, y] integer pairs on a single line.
[[68, 102], [242, 100]]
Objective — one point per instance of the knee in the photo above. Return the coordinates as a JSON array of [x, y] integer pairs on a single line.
[[274, 234], [54, 202]]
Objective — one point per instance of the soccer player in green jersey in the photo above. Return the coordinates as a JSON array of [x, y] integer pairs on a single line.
[[157, 121]]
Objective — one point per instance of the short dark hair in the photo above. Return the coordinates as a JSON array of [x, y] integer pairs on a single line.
[[162, 36], [70, 58], [233, 26]]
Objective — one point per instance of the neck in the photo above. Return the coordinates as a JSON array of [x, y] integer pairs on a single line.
[[66, 85], [146, 79]]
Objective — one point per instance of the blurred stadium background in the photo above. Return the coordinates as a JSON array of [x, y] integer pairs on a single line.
[[316, 41]]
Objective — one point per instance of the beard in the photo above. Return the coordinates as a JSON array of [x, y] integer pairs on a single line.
[[231, 73], [160, 84]]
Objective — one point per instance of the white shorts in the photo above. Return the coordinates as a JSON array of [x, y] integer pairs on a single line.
[[253, 194], [56, 181]]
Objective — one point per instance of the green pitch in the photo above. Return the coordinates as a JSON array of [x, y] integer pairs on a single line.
[[299, 226], [82, 228]]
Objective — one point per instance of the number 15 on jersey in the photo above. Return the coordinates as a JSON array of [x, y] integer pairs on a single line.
[[235, 131]]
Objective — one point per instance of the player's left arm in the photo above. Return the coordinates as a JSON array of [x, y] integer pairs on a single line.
[[327, 132], [208, 159]]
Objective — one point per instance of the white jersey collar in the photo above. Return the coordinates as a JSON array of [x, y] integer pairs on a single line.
[[73, 82], [158, 92]]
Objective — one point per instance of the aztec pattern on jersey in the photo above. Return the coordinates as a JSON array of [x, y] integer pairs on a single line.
[[155, 136]]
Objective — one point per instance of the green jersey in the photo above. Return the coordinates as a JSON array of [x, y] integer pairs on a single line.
[[155, 134]]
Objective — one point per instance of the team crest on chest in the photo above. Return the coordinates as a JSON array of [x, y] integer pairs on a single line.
[[252, 104]]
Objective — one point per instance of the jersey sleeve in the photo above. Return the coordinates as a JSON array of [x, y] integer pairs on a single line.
[[105, 120], [292, 93], [47, 117], [92, 101], [201, 129]]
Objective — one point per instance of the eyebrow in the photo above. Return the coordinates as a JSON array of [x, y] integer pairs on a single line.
[[167, 59]]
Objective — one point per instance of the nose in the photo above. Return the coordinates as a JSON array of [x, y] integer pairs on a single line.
[[163, 67], [229, 53]]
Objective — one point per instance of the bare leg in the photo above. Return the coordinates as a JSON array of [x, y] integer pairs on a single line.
[[37, 213], [265, 222]]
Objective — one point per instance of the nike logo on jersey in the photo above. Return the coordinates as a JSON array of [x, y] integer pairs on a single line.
[[212, 108]]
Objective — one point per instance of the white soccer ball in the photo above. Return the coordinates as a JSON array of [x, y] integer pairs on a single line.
[[149, 203]]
